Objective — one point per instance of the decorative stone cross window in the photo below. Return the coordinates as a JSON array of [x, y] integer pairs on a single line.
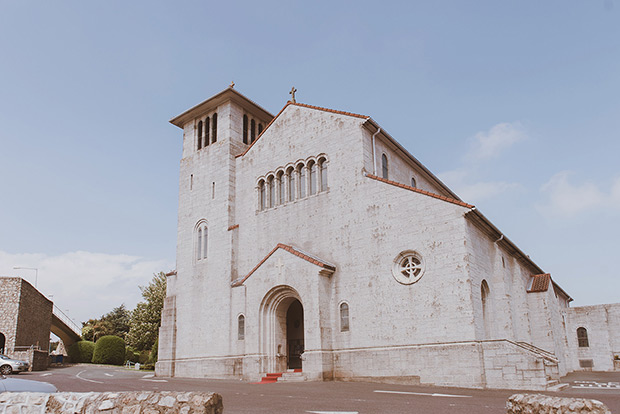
[[408, 267]]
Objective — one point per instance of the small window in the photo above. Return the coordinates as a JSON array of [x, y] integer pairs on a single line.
[[199, 134], [245, 129], [261, 195], [344, 317], [241, 328], [260, 129], [291, 184], [272, 191], [214, 128], [582, 337], [202, 235], [252, 130], [384, 166], [207, 129], [408, 267], [281, 188], [312, 170], [323, 173], [302, 180], [413, 184]]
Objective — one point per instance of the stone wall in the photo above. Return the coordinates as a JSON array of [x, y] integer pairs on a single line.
[[112, 403], [536, 403], [34, 319], [9, 308], [39, 360]]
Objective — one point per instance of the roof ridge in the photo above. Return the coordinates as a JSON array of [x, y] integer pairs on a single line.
[[417, 190]]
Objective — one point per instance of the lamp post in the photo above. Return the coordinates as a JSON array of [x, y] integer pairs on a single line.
[[36, 273]]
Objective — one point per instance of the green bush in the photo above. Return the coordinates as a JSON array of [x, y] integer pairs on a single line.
[[131, 355], [81, 351], [144, 357], [109, 349], [147, 367], [153, 356]]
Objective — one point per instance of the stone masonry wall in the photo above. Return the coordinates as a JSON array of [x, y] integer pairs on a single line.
[[111, 403], [9, 305], [544, 404], [34, 318]]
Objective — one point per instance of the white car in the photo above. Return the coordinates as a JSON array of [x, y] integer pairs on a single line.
[[22, 385], [9, 366]]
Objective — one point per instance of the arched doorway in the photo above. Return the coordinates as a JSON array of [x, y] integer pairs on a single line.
[[281, 330], [2, 342], [295, 334]]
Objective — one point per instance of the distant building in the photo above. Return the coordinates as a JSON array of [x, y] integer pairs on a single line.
[[313, 240]]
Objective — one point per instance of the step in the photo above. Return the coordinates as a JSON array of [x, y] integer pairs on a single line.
[[293, 376]]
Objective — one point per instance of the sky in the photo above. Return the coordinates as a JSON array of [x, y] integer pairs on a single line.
[[515, 105]]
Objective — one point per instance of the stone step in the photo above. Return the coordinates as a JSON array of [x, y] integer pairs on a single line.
[[292, 377]]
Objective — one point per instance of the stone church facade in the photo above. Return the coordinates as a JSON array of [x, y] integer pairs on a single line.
[[312, 240]]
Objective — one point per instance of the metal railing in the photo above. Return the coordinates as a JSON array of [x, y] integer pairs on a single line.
[[67, 320]]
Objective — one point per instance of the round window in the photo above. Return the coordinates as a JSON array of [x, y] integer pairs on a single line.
[[408, 267]]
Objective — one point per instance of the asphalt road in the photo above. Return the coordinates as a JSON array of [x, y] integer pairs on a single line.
[[322, 397]]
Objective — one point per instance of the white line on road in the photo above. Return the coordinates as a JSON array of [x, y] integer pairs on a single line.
[[333, 412], [109, 375], [149, 376], [153, 380], [46, 374], [86, 379], [424, 393]]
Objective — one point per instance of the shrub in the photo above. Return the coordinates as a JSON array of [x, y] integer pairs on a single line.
[[81, 351], [109, 349], [144, 357], [147, 367], [153, 356], [131, 355]]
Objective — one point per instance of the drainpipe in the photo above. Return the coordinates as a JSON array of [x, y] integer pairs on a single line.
[[374, 157]]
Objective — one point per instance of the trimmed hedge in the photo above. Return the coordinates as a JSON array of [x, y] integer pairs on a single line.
[[109, 349], [81, 351]]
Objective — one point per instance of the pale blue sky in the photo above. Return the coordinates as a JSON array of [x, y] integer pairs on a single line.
[[514, 104]]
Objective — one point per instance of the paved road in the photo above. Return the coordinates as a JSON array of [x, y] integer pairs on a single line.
[[315, 397]]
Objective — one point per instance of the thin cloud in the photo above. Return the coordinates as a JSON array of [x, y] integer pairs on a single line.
[[474, 192], [84, 284], [490, 144], [565, 199]]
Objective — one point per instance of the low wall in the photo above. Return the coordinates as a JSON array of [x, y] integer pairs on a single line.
[[111, 402], [537, 403], [39, 360]]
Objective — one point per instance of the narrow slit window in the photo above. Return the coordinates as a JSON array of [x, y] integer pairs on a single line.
[[199, 245], [312, 170], [241, 328], [245, 129], [207, 129], [205, 232], [291, 184], [323, 169], [281, 188], [199, 134], [261, 195], [252, 130], [413, 183], [260, 129], [214, 129], [272, 191], [344, 317], [384, 166], [302, 181]]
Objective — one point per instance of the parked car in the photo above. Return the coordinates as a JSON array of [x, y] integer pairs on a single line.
[[9, 366], [22, 385]]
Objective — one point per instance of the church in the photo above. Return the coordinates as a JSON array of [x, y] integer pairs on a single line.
[[311, 243]]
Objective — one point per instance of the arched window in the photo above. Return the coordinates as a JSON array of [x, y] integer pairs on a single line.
[[413, 182], [290, 173], [281, 188], [312, 170], [260, 129], [241, 327], [252, 131], [344, 317], [384, 166], [582, 337], [207, 130], [214, 128], [261, 195], [323, 173], [245, 129], [201, 241], [272, 191], [199, 134], [486, 317], [302, 180]]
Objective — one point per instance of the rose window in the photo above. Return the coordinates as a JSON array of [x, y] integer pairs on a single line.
[[408, 267]]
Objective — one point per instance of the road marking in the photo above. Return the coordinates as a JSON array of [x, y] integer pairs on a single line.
[[148, 376], [333, 412], [424, 393], [109, 375], [86, 379], [46, 374], [153, 380]]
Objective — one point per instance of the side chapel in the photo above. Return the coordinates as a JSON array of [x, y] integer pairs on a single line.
[[312, 242]]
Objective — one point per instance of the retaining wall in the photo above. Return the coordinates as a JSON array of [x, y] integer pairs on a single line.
[[544, 404]]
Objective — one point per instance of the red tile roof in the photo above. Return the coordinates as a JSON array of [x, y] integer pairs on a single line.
[[303, 106], [234, 226], [540, 283], [293, 250], [417, 190]]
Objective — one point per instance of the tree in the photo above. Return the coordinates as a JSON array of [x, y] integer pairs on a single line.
[[118, 320], [146, 317]]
